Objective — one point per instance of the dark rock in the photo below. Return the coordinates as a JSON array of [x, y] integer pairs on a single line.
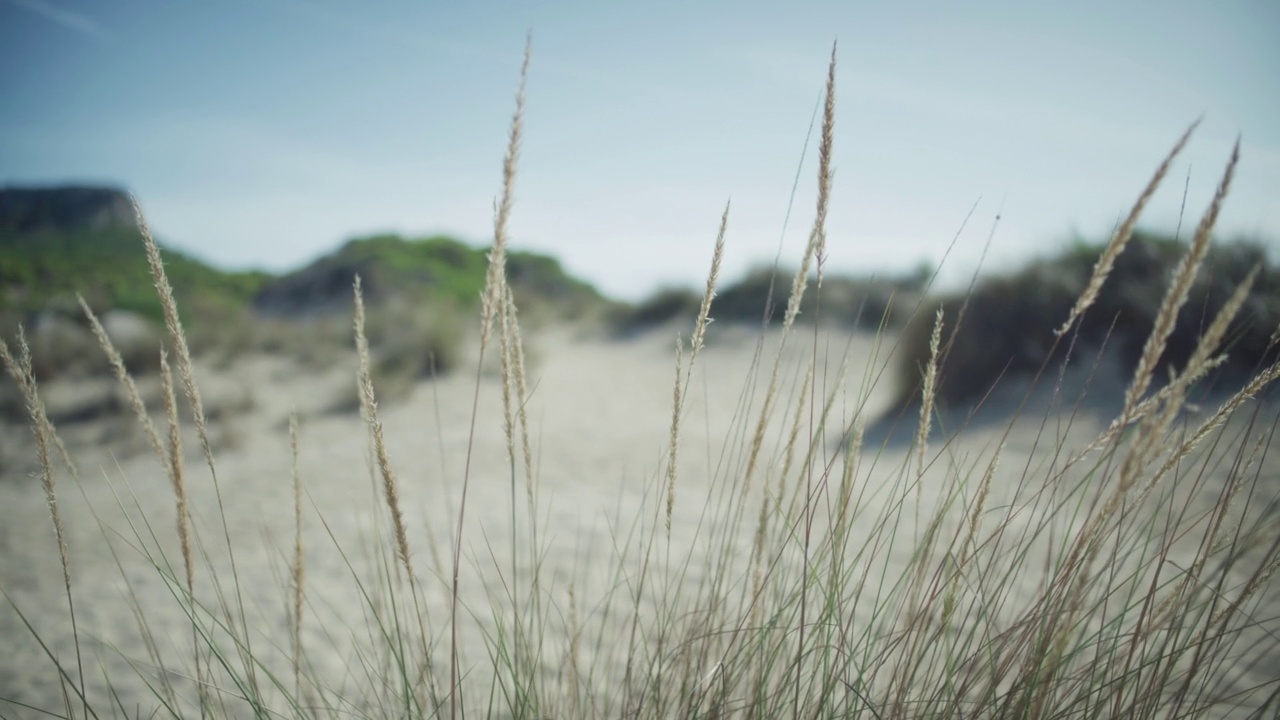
[[26, 210]]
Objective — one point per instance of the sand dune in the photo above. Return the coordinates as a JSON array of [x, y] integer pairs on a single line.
[[600, 416]]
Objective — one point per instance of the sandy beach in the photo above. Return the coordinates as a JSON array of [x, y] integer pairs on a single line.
[[600, 416]]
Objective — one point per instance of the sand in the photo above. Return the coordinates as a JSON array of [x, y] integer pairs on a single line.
[[600, 420]]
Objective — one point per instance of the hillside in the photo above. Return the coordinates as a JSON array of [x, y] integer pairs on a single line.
[[438, 269], [57, 242]]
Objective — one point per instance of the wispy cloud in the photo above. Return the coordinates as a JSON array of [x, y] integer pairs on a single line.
[[68, 19]]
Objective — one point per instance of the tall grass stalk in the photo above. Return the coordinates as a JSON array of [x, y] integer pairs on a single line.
[[816, 249], [684, 371], [172, 458], [178, 339], [20, 369], [299, 564], [493, 308], [369, 410], [1107, 260]]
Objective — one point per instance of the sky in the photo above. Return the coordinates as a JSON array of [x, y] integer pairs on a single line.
[[264, 133]]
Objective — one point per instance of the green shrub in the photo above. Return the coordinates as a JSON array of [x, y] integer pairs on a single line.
[[46, 269], [436, 269]]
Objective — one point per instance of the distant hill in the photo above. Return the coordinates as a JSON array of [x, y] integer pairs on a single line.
[[439, 268], [56, 242], [59, 241]]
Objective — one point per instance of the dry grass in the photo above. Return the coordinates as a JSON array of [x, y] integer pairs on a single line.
[[20, 369], [369, 410], [1074, 583], [1102, 270], [1176, 297]]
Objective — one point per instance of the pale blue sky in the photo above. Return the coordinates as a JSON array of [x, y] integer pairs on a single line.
[[265, 132]]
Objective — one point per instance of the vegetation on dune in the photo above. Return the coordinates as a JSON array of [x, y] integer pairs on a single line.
[[663, 306], [1004, 327], [419, 291], [865, 303], [421, 296], [44, 270], [437, 269]]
